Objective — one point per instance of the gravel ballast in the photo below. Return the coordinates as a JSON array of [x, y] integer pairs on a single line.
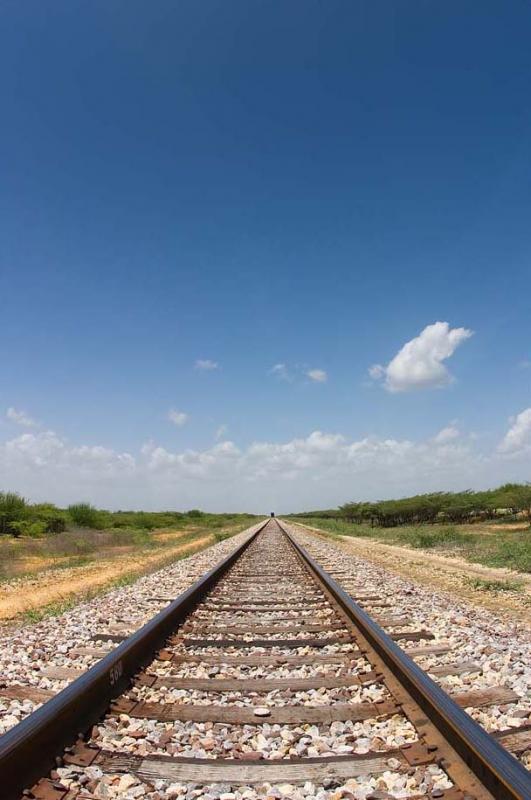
[[499, 653]]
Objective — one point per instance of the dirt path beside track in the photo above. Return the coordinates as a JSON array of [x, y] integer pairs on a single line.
[[447, 573], [452, 575]]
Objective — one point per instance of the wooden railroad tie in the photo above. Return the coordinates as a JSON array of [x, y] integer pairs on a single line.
[[258, 659], [247, 685], [294, 715]]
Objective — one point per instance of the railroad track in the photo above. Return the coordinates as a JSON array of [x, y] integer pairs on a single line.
[[265, 673]]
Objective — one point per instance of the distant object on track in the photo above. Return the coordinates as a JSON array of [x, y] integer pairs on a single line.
[[272, 513]]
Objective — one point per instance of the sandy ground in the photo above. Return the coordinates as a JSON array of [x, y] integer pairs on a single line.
[[58, 585], [446, 573], [24, 564]]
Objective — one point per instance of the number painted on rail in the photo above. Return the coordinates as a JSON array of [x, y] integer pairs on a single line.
[[116, 672]]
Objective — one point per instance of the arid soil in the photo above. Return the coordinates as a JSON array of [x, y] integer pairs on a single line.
[[33, 592]]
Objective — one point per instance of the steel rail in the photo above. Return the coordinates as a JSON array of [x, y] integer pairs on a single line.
[[29, 750], [501, 774]]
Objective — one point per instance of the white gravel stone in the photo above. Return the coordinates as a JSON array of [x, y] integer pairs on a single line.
[[26, 649]]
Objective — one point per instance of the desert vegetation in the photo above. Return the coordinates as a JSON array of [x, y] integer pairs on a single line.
[[508, 501], [18, 517], [38, 537], [491, 545], [491, 527]]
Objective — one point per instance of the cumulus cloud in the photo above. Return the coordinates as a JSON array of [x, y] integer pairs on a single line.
[[178, 418], [210, 464], [20, 418], [518, 437], [45, 466], [206, 365], [447, 434], [307, 457], [286, 460], [419, 363], [317, 375], [321, 469]]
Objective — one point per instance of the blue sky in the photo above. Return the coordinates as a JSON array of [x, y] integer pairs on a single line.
[[259, 184]]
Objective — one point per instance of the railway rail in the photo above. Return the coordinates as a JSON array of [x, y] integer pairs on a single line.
[[270, 646]]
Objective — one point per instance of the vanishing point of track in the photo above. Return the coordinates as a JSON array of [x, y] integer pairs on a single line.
[[266, 608]]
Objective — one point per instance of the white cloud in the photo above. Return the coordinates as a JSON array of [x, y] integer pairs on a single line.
[[43, 466], [447, 434], [178, 418], [280, 371], [376, 371], [265, 459], [518, 437], [329, 458], [222, 431], [20, 418], [208, 464], [297, 372], [419, 363], [320, 470], [317, 375], [206, 365]]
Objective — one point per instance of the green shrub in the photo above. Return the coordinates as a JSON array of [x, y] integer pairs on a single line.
[[86, 516], [483, 585], [145, 520], [509, 501], [438, 538], [54, 518], [36, 530], [13, 509], [26, 527], [423, 539], [513, 554]]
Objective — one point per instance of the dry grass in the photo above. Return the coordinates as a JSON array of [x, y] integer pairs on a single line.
[[79, 547], [492, 545], [54, 587], [478, 584], [39, 583]]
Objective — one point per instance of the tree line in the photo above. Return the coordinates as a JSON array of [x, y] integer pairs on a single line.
[[18, 517], [511, 499]]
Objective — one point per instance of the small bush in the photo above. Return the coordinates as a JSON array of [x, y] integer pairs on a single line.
[[423, 540], [36, 530], [25, 527], [13, 509], [513, 554], [483, 585], [145, 520], [53, 518], [85, 515], [438, 538]]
